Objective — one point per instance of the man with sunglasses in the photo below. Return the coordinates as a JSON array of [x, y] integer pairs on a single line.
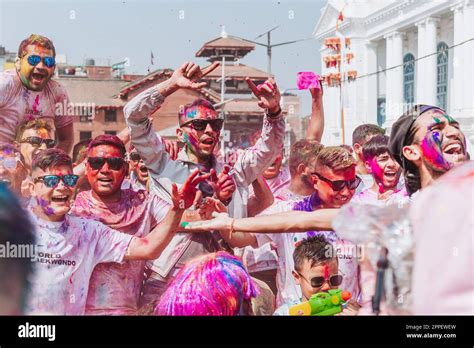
[[115, 289], [199, 129], [70, 247], [316, 269], [32, 136], [28, 93]]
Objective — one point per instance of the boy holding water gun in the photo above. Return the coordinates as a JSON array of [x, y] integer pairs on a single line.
[[316, 272]]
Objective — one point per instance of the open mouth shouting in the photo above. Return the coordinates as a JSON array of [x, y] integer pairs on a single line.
[[38, 77], [390, 175], [144, 170], [60, 198], [105, 182], [453, 147], [208, 141]]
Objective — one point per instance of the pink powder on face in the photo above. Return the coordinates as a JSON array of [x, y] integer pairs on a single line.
[[308, 80], [431, 148], [376, 170]]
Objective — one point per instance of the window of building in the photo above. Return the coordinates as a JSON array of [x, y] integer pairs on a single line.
[[110, 115], [409, 80], [111, 132], [85, 135], [381, 111], [442, 76]]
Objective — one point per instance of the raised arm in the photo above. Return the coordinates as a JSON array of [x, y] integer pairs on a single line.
[[316, 124], [138, 111], [255, 159]]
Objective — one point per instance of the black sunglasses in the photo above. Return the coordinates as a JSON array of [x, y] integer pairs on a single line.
[[37, 142], [69, 180], [115, 163], [317, 282], [200, 124], [338, 185]]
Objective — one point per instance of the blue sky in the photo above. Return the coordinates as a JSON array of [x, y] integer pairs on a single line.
[[110, 30]]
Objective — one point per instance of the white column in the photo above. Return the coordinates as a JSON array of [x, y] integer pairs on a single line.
[[468, 56], [394, 101], [420, 65], [457, 99], [398, 72], [371, 82], [430, 71]]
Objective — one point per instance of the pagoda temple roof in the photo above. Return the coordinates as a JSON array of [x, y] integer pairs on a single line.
[[225, 43]]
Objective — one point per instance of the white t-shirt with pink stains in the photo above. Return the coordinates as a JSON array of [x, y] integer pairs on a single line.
[[67, 253], [114, 288], [17, 103]]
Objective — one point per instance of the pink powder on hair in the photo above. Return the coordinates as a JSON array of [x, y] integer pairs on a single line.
[[216, 284]]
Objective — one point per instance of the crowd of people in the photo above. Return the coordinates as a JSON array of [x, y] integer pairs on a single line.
[[133, 224]]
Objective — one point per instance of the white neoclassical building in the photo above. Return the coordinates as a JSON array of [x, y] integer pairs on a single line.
[[405, 52]]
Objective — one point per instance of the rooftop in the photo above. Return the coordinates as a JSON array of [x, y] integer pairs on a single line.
[[239, 46], [100, 92]]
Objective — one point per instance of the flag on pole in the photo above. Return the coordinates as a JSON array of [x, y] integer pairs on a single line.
[[151, 57]]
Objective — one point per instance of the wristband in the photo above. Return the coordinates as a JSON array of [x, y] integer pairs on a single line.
[[276, 114]]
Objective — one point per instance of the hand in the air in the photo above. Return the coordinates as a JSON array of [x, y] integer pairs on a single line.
[[267, 93], [317, 93], [187, 75]]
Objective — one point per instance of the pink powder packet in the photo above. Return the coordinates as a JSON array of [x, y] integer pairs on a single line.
[[308, 80]]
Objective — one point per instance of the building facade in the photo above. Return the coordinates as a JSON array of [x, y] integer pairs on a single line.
[[405, 52]]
